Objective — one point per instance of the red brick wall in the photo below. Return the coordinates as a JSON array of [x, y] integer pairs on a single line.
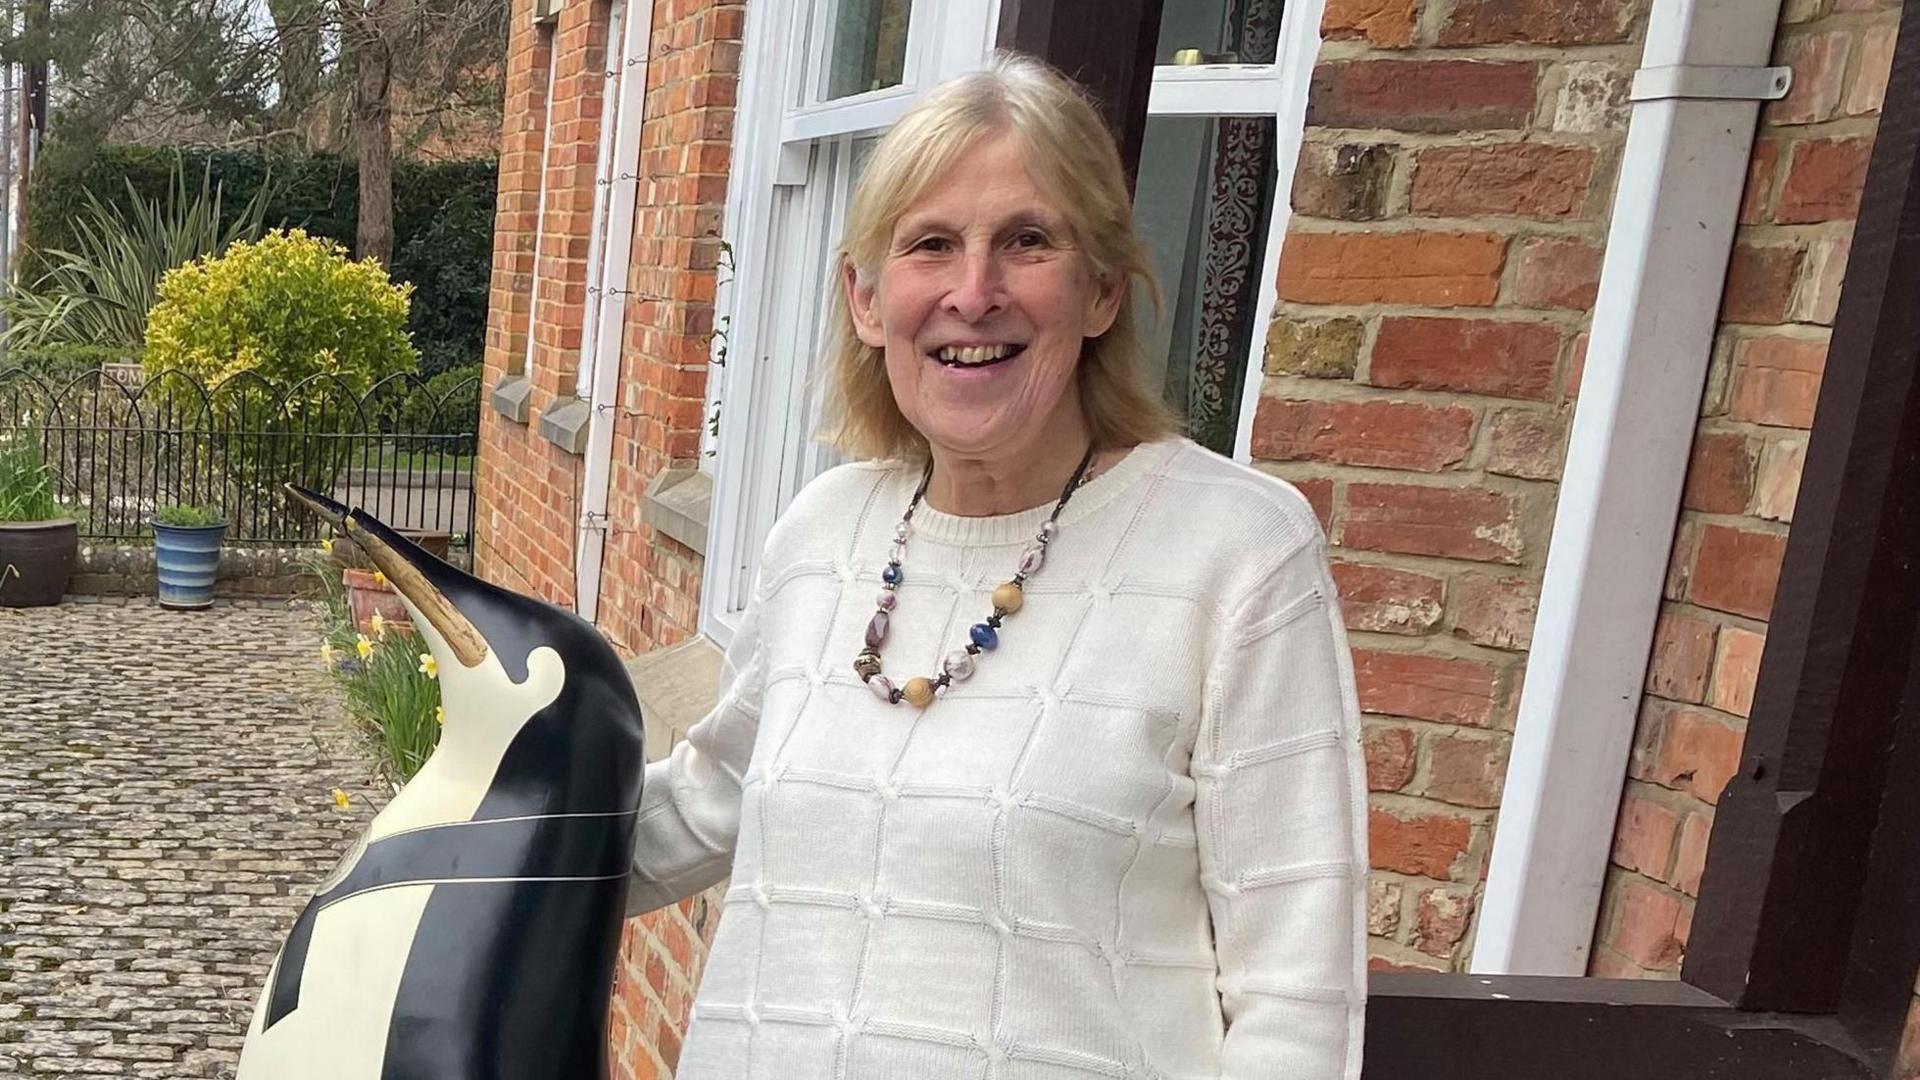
[[1450, 209], [528, 489], [1784, 281]]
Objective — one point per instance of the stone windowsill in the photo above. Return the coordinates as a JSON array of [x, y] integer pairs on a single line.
[[513, 398], [676, 687], [564, 424], [677, 503]]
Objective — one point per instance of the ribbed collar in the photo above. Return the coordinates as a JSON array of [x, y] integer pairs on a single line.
[[1021, 525]]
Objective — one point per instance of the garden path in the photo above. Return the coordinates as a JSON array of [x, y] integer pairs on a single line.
[[166, 807]]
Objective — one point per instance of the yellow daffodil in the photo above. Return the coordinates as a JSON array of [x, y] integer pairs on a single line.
[[429, 666], [364, 647], [341, 800], [379, 625], [379, 578], [326, 545], [440, 715], [326, 653]]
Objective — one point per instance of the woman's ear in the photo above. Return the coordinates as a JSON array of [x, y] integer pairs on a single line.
[[1104, 306], [861, 289]]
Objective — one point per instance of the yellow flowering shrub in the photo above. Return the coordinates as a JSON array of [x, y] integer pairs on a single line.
[[286, 306]]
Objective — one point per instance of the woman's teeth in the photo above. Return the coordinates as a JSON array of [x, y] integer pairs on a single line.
[[974, 355]]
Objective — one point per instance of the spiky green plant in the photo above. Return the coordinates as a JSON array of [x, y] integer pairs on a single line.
[[26, 486], [99, 294]]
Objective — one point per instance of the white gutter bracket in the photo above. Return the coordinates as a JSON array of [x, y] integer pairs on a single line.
[[1710, 82]]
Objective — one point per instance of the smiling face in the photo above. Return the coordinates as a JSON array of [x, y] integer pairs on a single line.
[[982, 304]]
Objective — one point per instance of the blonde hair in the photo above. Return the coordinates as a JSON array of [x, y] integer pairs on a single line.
[[1071, 155]]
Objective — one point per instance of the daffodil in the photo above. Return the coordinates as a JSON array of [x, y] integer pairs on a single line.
[[326, 653], [379, 625], [429, 666], [364, 647], [341, 800], [326, 545], [440, 715], [379, 578]]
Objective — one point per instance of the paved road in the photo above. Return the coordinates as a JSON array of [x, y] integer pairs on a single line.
[[165, 808]]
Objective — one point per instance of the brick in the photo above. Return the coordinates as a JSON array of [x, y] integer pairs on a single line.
[[1735, 667], [1457, 523], [1343, 181], [1721, 473], [1319, 494], [1760, 281], [1530, 180], [1497, 612], [1776, 381], [1691, 860], [1425, 845], [1779, 487], [1650, 727], [1440, 689], [1387, 23], [1313, 348], [1699, 753], [1381, 599], [1762, 165], [1384, 899], [1439, 269], [1819, 63], [1652, 927], [1525, 443], [1475, 356], [1380, 434], [1389, 754], [1736, 570], [1556, 272], [1825, 271], [1569, 22], [1682, 657], [1869, 90], [1440, 921], [1394, 965], [1422, 95], [1576, 367], [1593, 98], [1824, 180], [1464, 771], [1643, 837]]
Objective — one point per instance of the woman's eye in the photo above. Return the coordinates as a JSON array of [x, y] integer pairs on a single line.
[[931, 243], [1029, 239]]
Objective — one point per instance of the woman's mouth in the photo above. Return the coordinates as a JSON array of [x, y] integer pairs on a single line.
[[975, 356]]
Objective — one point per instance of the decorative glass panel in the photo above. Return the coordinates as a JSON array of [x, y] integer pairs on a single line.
[[1202, 204], [867, 47]]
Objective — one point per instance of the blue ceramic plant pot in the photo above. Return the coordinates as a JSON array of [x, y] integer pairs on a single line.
[[186, 560]]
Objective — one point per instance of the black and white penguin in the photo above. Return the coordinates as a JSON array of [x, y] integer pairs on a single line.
[[472, 931]]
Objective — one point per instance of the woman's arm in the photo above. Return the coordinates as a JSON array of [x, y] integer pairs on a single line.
[[1281, 814], [690, 803]]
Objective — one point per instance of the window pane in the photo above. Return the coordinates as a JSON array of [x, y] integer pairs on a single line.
[[1203, 202], [1225, 31], [868, 47]]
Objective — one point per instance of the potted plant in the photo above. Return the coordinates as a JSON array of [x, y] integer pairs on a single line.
[[39, 542], [186, 553]]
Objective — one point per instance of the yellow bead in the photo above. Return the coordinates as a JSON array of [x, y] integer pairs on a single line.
[[918, 693], [1008, 597]]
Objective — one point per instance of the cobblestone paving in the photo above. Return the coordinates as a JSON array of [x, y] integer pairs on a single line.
[[165, 809]]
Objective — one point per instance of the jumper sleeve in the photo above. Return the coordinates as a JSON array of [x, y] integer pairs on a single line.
[[1281, 817], [690, 802]]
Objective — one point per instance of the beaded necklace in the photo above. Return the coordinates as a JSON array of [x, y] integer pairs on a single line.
[[984, 636]]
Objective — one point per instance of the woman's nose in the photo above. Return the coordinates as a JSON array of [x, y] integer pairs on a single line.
[[978, 289]]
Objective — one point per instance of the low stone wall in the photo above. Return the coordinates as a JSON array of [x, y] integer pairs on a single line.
[[105, 569]]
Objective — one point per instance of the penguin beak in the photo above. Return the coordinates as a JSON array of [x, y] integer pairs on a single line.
[[400, 560]]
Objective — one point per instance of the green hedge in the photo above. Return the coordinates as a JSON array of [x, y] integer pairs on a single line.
[[442, 220]]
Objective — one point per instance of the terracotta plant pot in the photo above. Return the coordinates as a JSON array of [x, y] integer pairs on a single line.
[[366, 595], [36, 561]]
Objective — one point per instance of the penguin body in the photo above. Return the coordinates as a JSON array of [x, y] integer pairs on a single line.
[[471, 933]]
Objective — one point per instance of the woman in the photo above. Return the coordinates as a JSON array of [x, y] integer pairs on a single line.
[[1039, 750]]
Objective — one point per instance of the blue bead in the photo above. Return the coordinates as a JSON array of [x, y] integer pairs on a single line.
[[984, 636], [891, 575]]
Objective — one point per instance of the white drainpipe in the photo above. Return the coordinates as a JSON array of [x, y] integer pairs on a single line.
[[600, 379], [1696, 99]]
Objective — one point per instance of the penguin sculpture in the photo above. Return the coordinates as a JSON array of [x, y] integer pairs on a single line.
[[471, 933]]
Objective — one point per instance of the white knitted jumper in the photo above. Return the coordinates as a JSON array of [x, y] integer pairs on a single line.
[[1131, 845]]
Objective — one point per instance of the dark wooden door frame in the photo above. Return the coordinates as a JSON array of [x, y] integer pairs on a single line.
[[1806, 937]]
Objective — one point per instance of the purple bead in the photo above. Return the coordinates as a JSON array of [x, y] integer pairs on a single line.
[[891, 575], [882, 688], [886, 599], [877, 630], [1032, 559], [984, 636]]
